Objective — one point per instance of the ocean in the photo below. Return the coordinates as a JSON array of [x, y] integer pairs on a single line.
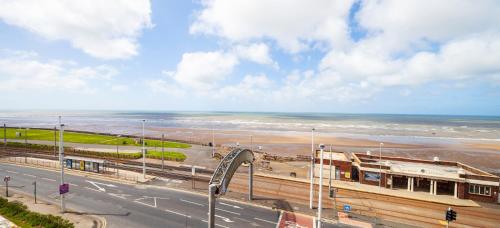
[[387, 127]]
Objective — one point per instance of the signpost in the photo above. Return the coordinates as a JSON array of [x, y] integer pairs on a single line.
[[347, 208], [6, 179], [63, 188], [34, 189], [451, 216]]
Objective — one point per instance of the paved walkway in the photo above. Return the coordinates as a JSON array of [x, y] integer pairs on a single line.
[[423, 196], [5, 223]]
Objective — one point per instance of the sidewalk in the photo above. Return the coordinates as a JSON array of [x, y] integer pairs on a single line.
[[110, 174], [5, 223], [356, 186], [44, 207]]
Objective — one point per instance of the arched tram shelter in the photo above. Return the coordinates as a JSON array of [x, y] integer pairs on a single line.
[[222, 176]]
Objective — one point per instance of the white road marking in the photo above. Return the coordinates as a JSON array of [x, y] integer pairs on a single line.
[[12, 172], [229, 205], [122, 196], [224, 218], [263, 220], [48, 179], [191, 202], [177, 213], [75, 185], [215, 224], [97, 185], [227, 211], [92, 189], [242, 219], [139, 202], [29, 175]]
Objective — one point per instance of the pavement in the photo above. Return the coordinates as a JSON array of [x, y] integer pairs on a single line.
[[5, 223], [127, 205]]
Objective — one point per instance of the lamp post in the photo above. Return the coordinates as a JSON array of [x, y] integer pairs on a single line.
[[213, 141], [380, 166], [311, 174], [162, 152], [320, 188], [330, 175], [61, 161], [143, 152]]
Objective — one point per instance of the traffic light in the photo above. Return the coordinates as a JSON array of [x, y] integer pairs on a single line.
[[332, 192], [451, 215]]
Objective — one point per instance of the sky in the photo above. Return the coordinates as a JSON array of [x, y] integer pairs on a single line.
[[410, 57]]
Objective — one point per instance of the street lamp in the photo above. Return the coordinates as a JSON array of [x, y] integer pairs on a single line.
[[311, 174], [143, 152], [320, 188], [380, 166]]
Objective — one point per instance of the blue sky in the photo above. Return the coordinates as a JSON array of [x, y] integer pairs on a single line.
[[284, 56]]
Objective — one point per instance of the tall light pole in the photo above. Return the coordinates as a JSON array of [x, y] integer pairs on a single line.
[[162, 152], [143, 152], [380, 166], [320, 189], [5, 134], [213, 141], [61, 161], [311, 174], [330, 175]]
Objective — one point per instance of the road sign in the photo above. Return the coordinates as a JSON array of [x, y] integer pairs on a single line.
[[347, 208], [6, 178], [63, 188]]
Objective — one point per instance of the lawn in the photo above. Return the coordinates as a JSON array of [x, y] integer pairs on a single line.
[[74, 137]]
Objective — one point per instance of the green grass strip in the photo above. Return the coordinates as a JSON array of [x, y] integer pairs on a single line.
[[85, 138], [19, 214]]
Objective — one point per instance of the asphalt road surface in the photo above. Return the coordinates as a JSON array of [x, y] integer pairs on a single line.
[[126, 205]]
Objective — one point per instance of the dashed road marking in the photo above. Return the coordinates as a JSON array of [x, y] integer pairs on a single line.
[[177, 213], [227, 211], [224, 218], [92, 189], [229, 205], [12, 172], [263, 220], [29, 175], [191, 202], [74, 185], [121, 196], [215, 224], [48, 179]]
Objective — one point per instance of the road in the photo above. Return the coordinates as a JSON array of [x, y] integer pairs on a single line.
[[126, 205], [137, 206]]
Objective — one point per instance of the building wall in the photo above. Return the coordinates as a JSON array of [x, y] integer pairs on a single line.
[[491, 199], [344, 166]]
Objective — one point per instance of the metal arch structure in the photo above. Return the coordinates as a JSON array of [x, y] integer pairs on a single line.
[[223, 174]]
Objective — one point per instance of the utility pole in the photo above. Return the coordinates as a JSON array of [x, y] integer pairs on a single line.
[[162, 152], [311, 174], [26, 144], [143, 152], [61, 161], [380, 166], [330, 175], [5, 134], [55, 140], [34, 190], [320, 189], [213, 141]]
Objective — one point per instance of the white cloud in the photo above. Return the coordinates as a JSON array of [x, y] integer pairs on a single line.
[[203, 70], [24, 70], [102, 29], [258, 52], [293, 24]]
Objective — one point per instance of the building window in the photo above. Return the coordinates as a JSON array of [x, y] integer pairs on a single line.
[[479, 190]]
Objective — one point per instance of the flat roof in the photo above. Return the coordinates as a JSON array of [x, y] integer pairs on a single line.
[[339, 156], [422, 169]]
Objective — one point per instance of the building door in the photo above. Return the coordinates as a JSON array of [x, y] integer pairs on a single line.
[[337, 173]]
